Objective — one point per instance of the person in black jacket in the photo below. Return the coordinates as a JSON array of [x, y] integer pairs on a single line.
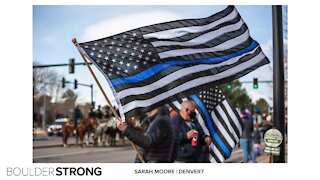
[[77, 117], [158, 141], [99, 113], [92, 113], [192, 141]]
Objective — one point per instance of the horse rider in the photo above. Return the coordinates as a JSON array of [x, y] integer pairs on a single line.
[[77, 116], [99, 114], [92, 113]]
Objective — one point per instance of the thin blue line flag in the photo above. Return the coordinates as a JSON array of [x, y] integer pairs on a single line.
[[149, 66]]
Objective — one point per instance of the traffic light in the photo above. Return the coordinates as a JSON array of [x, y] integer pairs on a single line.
[[75, 84], [229, 86], [255, 83], [71, 66], [63, 82]]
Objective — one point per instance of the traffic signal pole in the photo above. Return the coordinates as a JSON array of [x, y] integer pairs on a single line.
[[57, 65], [91, 86], [278, 78], [64, 81]]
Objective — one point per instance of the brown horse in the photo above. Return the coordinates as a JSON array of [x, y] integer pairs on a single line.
[[81, 130]]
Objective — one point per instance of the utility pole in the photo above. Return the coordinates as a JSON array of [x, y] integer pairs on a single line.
[[44, 113], [278, 78]]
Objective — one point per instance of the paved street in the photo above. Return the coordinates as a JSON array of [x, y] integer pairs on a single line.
[[121, 154], [49, 150]]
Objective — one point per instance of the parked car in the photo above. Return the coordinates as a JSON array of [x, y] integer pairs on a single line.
[[56, 127]]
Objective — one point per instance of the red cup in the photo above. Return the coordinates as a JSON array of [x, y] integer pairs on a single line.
[[194, 141]]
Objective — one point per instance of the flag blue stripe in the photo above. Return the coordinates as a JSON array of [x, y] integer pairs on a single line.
[[210, 125], [159, 67]]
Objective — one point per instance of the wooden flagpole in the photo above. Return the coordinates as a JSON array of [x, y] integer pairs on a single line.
[[74, 41]]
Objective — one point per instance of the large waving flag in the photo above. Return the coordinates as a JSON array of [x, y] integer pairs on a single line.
[[219, 119], [148, 66]]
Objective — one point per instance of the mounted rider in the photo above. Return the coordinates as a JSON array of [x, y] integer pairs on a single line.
[[99, 114], [92, 114], [77, 116]]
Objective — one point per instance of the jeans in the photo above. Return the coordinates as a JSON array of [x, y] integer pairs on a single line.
[[247, 149]]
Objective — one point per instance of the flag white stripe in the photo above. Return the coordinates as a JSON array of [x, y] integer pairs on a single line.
[[184, 99], [212, 159], [176, 75], [222, 130], [178, 32], [232, 115], [221, 47], [216, 152], [226, 120], [177, 104], [203, 38], [202, 124], [193, 83]]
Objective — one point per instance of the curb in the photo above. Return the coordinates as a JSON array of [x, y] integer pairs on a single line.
[[72, 144], [50, 146]]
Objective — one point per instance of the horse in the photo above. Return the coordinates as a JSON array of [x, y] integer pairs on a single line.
[[112, 130], [107, 129], [81, 130], [100, 135]]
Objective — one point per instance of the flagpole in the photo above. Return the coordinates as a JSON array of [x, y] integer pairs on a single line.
[[74, 41]]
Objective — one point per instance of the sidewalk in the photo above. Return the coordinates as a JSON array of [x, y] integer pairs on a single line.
[[236, 157]]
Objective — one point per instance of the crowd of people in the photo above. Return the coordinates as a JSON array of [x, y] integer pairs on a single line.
[[165, 135]]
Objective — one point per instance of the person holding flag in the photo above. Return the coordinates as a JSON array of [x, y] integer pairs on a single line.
[[158, 142]]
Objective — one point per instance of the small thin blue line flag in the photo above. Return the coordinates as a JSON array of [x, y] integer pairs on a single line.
[[149, 66], [219, 119]]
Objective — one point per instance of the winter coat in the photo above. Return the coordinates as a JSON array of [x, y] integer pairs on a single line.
[[186, 152], [158, 141]]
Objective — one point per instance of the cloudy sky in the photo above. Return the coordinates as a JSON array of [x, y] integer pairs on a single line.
[[55, 26]]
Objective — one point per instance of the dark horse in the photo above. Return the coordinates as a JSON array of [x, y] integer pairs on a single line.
[[81, 130], [112, 130]]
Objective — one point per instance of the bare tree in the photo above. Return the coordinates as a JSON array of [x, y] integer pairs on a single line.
[[45, 81], [70, 95]]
